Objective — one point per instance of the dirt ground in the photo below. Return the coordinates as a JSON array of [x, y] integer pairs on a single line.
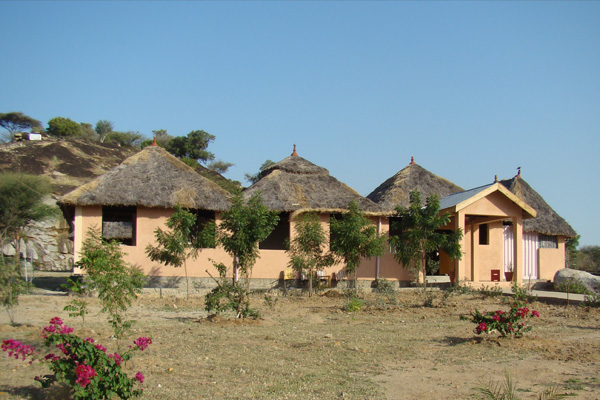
[[310, 348]]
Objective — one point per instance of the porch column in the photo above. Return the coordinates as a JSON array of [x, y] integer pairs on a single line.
[[474, 251], [518, 249], [460, 265]]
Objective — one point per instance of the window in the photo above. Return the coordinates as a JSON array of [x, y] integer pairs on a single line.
[[205, 219], [280, 236], [548, 241], [119, 224], [332, 236], [394, 226], [484, 234]]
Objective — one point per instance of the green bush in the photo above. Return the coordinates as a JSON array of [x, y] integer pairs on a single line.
[[572, 285], [354, 304]]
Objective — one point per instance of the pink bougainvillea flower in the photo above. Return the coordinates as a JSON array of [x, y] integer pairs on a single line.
[[139, 377], [142, 342], [56, 321], [84, 374], [535, 313]]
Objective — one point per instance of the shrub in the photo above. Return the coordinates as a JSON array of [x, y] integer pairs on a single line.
[[86, 368], [354, 304], [227, 296], [522, 293], [572, 285], [511, 323]]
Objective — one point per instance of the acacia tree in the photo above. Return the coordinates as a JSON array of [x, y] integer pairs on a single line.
[[354, 237], [15, 122], [242, 228], [182, 242], [418, 234], [21, 203], [307, 249]]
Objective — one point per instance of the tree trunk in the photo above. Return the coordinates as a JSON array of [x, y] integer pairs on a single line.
[[310, 281]]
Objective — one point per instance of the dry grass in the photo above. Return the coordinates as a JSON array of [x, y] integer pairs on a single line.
[[311, 349]]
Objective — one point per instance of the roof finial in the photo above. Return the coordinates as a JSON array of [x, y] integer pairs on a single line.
[[495, 178], [518, 172], [412, 161], [154, 142], [294, 152]]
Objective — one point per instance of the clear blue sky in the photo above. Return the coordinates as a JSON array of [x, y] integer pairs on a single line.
[[470, 89]]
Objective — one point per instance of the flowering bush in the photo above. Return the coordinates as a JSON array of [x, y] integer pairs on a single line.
[[511, 323], [84, 366]]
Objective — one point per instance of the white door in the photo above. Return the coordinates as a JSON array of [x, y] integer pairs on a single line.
[[531, 245]]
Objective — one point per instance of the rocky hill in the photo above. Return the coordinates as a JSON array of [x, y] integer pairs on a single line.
[[68, 163]]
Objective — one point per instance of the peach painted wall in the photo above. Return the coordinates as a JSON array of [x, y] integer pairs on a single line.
[[551, 260], [490, 256], [270, 265]]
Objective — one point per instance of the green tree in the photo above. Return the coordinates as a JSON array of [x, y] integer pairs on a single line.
[[116, 282], [219, 166], [125, 139], [242, 228], [21, 203], [354, 237], [103, 128], [15, 122], [182, 242], [192, 146], [64, 127], [418, 234], [588, 258], [255, 177], [88, 132], [307, 248]]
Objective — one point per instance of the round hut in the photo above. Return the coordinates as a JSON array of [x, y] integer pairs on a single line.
[[396, 190]]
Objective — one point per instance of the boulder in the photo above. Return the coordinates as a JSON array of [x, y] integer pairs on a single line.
[[590, 281]]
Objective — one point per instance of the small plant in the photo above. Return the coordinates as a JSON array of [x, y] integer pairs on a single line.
[[592, 300], [522, 294], [572, 285], [507, 390], [383, 286], [354, 304], [78, 306], [227, 296], [489, 291], [511, 323], [270, 300], [11, 285], [86, 368], [117, 283]]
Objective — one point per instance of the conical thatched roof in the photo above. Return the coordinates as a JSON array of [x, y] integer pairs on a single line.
[[296, 184], [396, 190], [547, 222], [151, 178]]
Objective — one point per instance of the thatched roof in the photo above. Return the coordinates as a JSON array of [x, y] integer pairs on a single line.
[[151, 178], [396, 190], [547, 222], [296, 184]]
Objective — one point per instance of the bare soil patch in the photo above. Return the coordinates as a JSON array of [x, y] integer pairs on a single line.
[[311, 349]]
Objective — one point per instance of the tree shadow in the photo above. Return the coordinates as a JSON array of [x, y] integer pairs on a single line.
[[454, 341]]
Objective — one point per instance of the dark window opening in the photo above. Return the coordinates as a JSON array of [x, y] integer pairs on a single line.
[[484, 234], [394, 226], [332, 235], [119, 224], [548, 241], [203, 231], [280, 236]]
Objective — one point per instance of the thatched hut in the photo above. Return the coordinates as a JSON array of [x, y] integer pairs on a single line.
[[294, 184], [547, 222], [130, 201], [150, 178], [395, 191], [544, 237]]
